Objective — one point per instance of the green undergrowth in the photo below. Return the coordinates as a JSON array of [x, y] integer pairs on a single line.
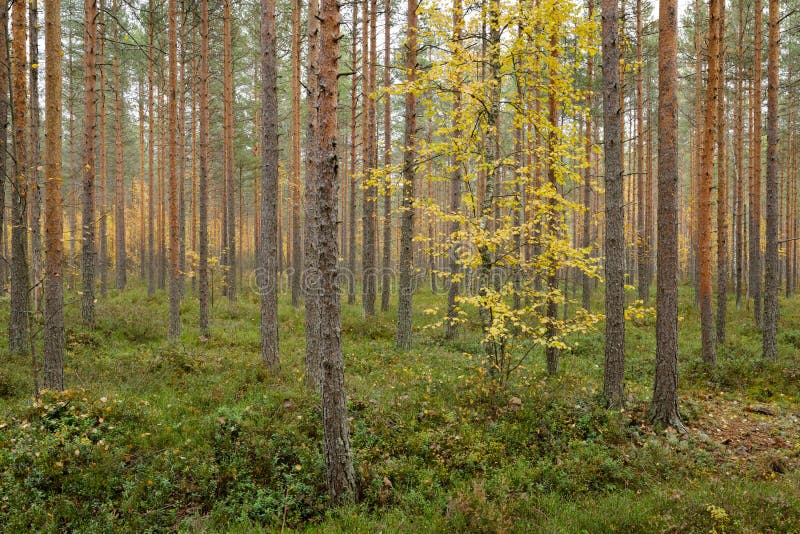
[[196, 436]]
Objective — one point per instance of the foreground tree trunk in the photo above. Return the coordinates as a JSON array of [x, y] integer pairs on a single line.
[[705, 187], [202, 203], [87, 204], [406, 288], [665, 388], [615, 224], [370, 220], [18, 318], [54, 335], [338, 457], [269, 189], [771, 263]]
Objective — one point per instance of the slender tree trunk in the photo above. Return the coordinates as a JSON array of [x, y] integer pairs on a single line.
[[722, 191], [386, 281], [87, 205], [456, 178], [172, 141], [664, 410], [202, 186], [35, 212], [142, 232], [615, 224], [297, 257], [269, 189], [754, 226], [151, 220], [552, 352], [406, 289], [102, 258], [738, 136], [773, 201], [586, 291], [119, 170], [4, 115], [227, 66], [642, 245], [351, 247], [311, 239]]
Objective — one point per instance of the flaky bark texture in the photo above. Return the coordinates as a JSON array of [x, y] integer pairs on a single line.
[[269, 189], [664, 410], [54, 336], [615, 223], [771, 263], [311, 280], [407, 210], [18, 318], [202, 202], [336, 444], [705, 188]]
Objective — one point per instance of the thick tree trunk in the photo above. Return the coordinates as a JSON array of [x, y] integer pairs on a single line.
[[705, 188], [771, 257], [336, 438], [18, 318], [54, 335], [406, 288], [87, 205], [665, 389], [615, 224], [269, 189]]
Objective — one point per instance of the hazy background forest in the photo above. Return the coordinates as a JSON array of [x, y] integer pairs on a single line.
[[492, 266]]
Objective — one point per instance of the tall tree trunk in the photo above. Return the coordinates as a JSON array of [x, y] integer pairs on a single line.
[[738, 140], [202, 185], [406, 289], [294, 183], [35, 211], [642, 245], [456, 178], [754, 226], [87, 204], [722, 191], [370, 220], [142, 231], [552, 352], [269, 189], [227, 99], [172, 141], [386, 274], [351, 247], [18, 318], [100, 198], [119, 169], [664, 410], [336, 438], [4, 115], [311, 240], [586, 291], [771, 257], [615, 224], [54, 335], [151, 220], [705, 188]]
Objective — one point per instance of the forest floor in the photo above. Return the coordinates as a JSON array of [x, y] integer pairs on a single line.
[[195, 436]]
